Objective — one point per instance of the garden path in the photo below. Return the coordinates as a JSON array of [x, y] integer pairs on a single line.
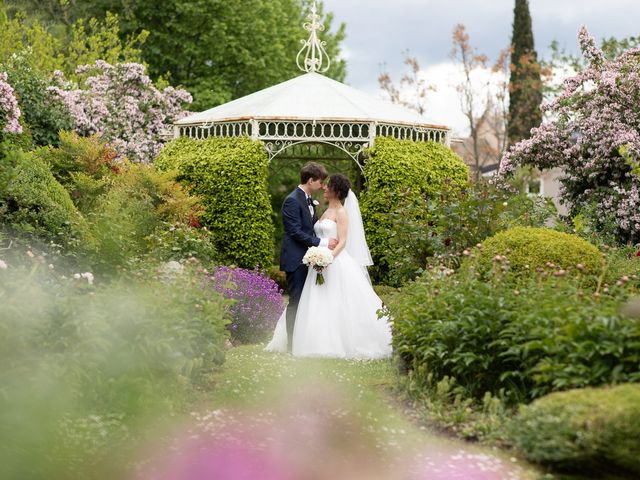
[[326, 418]]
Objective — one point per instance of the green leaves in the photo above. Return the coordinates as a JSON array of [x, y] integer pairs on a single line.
[[587, 429], [399, 172], [490, 337], [230, 177]]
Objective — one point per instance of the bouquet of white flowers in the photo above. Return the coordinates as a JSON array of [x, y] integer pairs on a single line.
[[319, 258]]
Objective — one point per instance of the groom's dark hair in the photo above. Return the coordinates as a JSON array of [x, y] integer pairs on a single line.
[[313, 171]]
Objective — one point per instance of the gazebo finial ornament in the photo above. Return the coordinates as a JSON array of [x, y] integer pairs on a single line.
[[315, 55]]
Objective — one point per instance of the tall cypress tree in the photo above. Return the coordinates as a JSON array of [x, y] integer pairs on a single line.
[[525, 85]]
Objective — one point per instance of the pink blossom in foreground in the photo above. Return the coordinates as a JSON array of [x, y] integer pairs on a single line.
[[9, 110], [121, 103]]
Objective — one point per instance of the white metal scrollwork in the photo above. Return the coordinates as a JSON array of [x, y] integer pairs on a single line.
[[313, 48]]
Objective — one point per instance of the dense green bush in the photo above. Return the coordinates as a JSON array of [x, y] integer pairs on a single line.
[[33, 202], [585, 430], [393, 168], [179, 242], [229, 175], [528, 249], [454, 220], [517, 344], [139, 201], [88, 366], [44, 115], [83, 165]]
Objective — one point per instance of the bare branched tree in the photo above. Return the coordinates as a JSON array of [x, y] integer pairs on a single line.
[[413, 89], [484, 103]]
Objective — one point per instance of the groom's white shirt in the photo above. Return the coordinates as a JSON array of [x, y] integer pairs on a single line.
[[324, 242]]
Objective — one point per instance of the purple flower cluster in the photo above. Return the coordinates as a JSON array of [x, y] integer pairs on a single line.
[[594, 137], [121, 103], [9, 110], [258, 301]]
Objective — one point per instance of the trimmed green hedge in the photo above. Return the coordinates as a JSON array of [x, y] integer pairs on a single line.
[[394, 167], [230, 177], [529, 248], [582, 430]]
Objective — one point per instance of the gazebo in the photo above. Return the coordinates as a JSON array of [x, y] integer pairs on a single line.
[[312, 116]]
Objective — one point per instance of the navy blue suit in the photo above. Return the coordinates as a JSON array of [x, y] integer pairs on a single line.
[[298, 237]]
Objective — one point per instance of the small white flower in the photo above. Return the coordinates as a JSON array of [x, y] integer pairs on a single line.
[[51, 267], [504, 204], [76, 276], [316, 203], [172, 267], [88, 276], [30, 253], [3, 265]]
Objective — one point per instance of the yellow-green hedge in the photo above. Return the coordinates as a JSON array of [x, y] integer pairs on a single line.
[[230, 177], [529, 248], [590, 429], [394, 167]]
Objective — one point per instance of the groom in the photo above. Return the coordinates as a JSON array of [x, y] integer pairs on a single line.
[[298, 217]]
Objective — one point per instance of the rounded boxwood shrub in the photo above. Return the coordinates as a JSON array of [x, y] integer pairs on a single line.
[[582, 430], [395, 170], [529, 248], [229, 175], [34, 202]]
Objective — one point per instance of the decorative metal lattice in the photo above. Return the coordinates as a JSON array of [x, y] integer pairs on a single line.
[[281, 135]]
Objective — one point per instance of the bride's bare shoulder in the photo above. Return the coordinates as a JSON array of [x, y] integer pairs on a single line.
[[341, 214]]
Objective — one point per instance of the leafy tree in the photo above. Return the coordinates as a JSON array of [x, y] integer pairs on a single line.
[[84, 42], [525, 85], [217, 50]]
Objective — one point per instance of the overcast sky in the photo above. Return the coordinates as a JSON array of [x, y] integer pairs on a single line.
[[378, 31]]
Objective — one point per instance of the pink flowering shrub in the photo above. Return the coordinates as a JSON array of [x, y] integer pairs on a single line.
[[121, 103], [594, 137], [9, 110]]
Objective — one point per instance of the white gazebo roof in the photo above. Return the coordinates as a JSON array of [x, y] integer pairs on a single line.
[[311, 96], [312, 110]]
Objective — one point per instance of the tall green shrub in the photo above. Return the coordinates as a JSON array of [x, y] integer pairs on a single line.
[[230, 177], [395, 171]]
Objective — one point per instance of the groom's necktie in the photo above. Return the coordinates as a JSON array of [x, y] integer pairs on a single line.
[[310, 204]]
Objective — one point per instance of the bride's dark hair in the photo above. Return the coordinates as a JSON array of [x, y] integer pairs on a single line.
[[340, 185]]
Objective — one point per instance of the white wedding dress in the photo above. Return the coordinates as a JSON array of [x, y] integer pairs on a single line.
[[338, 318]]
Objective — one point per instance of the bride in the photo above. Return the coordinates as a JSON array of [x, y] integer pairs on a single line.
[[339, 318]]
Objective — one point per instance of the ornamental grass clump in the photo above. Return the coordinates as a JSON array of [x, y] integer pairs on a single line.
[[258, 302]]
